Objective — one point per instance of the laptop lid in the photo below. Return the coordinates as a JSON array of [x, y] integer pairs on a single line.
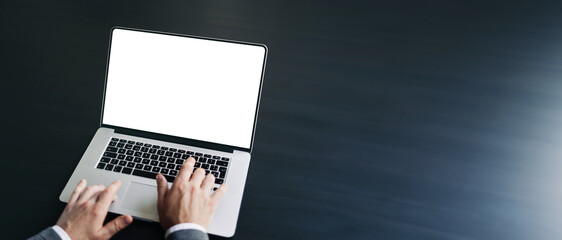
[[191, 90]]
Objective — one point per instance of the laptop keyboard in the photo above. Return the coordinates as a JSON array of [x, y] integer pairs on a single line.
[[147, 160]]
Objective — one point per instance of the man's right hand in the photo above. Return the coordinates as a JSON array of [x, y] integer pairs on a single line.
[[189, 200]]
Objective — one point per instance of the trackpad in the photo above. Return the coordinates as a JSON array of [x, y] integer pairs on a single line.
[[141, 198]]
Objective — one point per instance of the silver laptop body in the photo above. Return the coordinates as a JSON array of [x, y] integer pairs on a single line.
[[183, 93]]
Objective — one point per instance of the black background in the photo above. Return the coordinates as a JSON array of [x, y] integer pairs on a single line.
[[378, 120]]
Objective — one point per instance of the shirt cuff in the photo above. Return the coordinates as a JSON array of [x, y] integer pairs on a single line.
[[183, 226], [62, 234]]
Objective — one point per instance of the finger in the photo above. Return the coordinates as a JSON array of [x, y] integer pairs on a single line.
[[208, 183], [185, 172], [198, 177], [89, 192], [219, 193], [108, 195], [77, 191], [116, 225], [162, 187]]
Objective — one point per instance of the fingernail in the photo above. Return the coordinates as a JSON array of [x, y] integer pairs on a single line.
[[127, 220]]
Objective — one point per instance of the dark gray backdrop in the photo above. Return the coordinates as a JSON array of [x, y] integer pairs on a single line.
[[379, 119]]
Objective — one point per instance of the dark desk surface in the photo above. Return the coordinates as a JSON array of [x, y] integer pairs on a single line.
[[379, 120]]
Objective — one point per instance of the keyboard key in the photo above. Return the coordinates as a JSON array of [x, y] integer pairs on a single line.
[[162, 158], [173, 150], [171, 166], [144, 174], [185, 156], [112, 144], [156, 169], [162, 164], [202, 160], [137, 159], [114, 161], [120, 145], [109, 167], [198, 154], [225, 159], [131, 164], [111, 149], [214, 167], [147, 168], [205, 166], [129, 158], [146, 155], [101, 166], [128, 146], [130, 152], [152, 151], [189, 153], [222, 174], [127, 170], [139, 143], [156, 146], [122, 163], [216, 157], [122, 140], [144, 149], [181, 151], [173, 172], [178, 167], [154, 163], [154, 157], [211, 161], [222, 169], [114, 139], [105, 159], [197, 164], [169, 154], [122, 151], [222, 163], [145, 161], [110, 154], [136, 148], [121, 157], [164, 171], [179, 161], [164, 148], [207, 156], [139, 166], [171, 160], [215, 173], [161, 152], [177, 155], [131, 142], [219, 181], [207, 171], [137, 154], [170, 178], [147, 145], [117, 169]]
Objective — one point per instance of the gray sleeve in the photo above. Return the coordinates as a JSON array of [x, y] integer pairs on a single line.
[[188, 234], [47, 234]]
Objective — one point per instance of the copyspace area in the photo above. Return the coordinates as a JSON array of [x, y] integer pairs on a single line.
[[378, 119]]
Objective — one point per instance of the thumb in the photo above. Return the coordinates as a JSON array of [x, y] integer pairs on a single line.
[[162, 187], [116, 225]]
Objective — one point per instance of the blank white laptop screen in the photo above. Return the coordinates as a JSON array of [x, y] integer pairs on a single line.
[[181, 86]]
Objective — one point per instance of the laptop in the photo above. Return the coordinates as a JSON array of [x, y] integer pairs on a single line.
[[168, 97]]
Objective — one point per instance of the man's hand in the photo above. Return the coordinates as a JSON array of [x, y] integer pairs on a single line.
[[84, 214], [188, 200]]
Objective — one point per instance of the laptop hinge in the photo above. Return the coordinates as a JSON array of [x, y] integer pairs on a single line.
[[173, 139]]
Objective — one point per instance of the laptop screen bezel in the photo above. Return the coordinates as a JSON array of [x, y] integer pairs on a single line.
[[177, 139]]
